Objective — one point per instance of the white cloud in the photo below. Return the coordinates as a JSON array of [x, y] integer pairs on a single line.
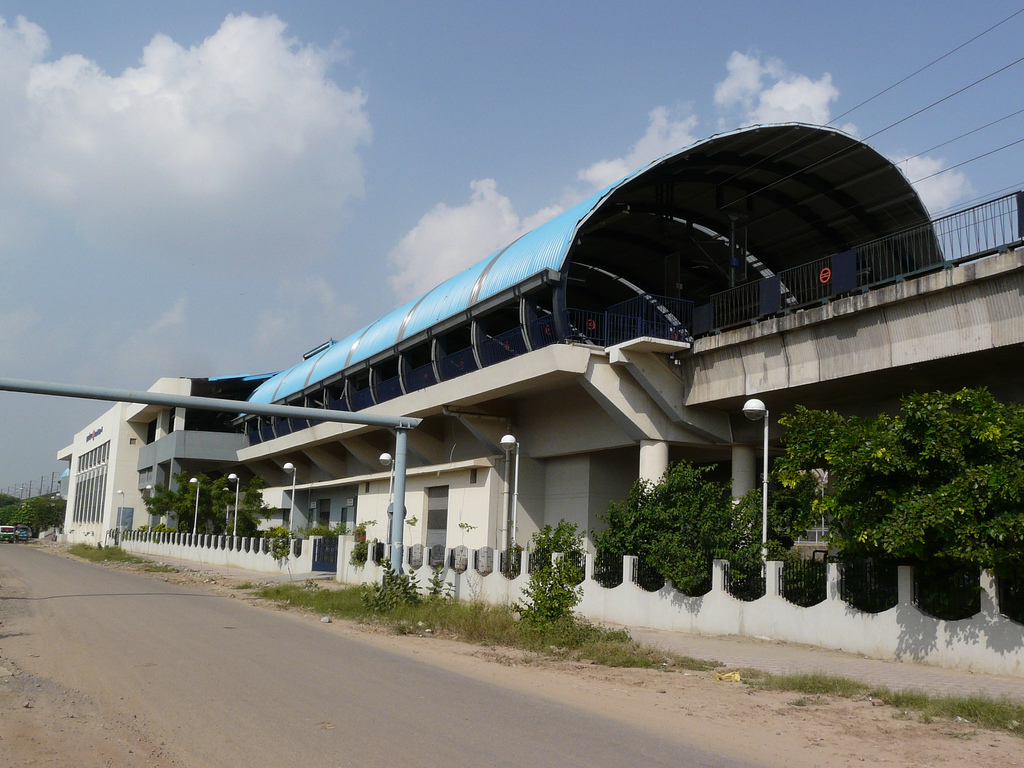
[[666, 132], [765, 91], [448, 239], [939, 191], [238, 146]]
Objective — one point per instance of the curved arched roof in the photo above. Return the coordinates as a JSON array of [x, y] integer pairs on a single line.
[[799, 192]]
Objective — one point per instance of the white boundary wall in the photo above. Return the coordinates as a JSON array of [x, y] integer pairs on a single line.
[[220, 551], [988, 642]]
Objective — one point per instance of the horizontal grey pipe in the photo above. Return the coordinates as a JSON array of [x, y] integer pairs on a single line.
[[207, 403]]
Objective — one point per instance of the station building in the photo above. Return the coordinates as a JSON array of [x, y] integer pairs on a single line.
[[576, 340]]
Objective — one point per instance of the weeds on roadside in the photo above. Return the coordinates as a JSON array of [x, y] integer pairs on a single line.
[[570, 638], [103, 554], [1002, 714]]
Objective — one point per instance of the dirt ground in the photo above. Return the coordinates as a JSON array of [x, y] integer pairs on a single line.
[[46, 723]]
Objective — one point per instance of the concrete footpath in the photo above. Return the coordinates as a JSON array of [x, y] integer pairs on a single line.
[[745, 652], [787, 658]]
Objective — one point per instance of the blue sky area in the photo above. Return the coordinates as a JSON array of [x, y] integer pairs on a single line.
[[210, 188]]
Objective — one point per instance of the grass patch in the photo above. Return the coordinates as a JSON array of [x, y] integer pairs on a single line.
[[1000, 714], [488, 625], [105, 555], [244, 585], [157, 568]]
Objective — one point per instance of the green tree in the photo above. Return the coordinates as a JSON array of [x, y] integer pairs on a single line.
[[941, 480], [555, 584], [216, 498]]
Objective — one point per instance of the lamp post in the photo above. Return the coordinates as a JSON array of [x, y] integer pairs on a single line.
[[508, 443], [289, 467], [388, 461], [235, 479], [120, 511], [195, 521], [150, 515], [755, 409]]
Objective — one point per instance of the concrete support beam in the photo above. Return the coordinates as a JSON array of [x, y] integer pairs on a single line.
[[328, 461], [744, 474], [653, 460], [662, 382]]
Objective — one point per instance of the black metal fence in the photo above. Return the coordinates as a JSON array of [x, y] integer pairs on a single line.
[[978, 231], [1011, 597], [745, 580], [804, 582], [608, 569], [869, 585], [510, 564], [646, 576], [949, 593]]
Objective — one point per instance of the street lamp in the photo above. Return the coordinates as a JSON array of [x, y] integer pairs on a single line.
[[195, 522], [508, 444], [120, 511], [289, 467], [152, 493], [235, 479], [755, 409], [387, 461]]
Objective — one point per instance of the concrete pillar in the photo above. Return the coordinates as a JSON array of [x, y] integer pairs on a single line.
[[989, 595], [834, 581], [653, 459], [905, 584], [744, 470], [773, 578], [719, 568]]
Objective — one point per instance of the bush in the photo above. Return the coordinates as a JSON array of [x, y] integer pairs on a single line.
[[554, 588]]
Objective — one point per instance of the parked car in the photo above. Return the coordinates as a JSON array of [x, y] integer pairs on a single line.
[[22, 532], [7, 533]]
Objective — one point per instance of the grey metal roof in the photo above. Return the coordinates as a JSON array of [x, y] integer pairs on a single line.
[[798, 191]]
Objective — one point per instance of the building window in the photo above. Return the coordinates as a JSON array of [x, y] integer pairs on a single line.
[[472, 476], [131, 441], [437, 516]]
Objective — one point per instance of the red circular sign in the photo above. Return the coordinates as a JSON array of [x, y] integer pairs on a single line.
[[591, 325], [825, 275]]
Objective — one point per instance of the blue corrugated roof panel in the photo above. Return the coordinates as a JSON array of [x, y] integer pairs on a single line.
[[449, 298], [542, 248]]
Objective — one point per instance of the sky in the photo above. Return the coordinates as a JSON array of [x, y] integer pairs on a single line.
[[206, 188]]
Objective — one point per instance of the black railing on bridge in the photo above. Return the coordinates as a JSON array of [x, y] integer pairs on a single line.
[[975, 232], [660, 317]]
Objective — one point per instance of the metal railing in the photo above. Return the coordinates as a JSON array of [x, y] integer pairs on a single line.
[[362, 398], [420, 377], [389, 389], [745, 580], [947, 593], [975, 232], [803, 582], [1010, 590], [458, 363], [503, 346], [608, 569], [869, 585], [646, 576], [660, 317]]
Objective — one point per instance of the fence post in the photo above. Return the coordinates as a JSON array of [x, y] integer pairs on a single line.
[[719, 568], [628, 568], [989, 595], [834, 581], [905, 584], [588, 567], [772, 578]]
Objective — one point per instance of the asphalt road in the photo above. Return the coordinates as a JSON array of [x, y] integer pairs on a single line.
[[224, 683]]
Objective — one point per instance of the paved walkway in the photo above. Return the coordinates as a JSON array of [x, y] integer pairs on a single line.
[[765, 655], [786, 658]]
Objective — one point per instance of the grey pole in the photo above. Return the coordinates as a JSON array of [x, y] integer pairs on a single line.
[[401, 424], [206, 403], [398, 518]]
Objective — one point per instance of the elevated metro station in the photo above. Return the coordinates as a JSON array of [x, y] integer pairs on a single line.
[[625, 334]]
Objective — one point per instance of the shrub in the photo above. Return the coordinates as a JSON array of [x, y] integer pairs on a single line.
[[554, 588]]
